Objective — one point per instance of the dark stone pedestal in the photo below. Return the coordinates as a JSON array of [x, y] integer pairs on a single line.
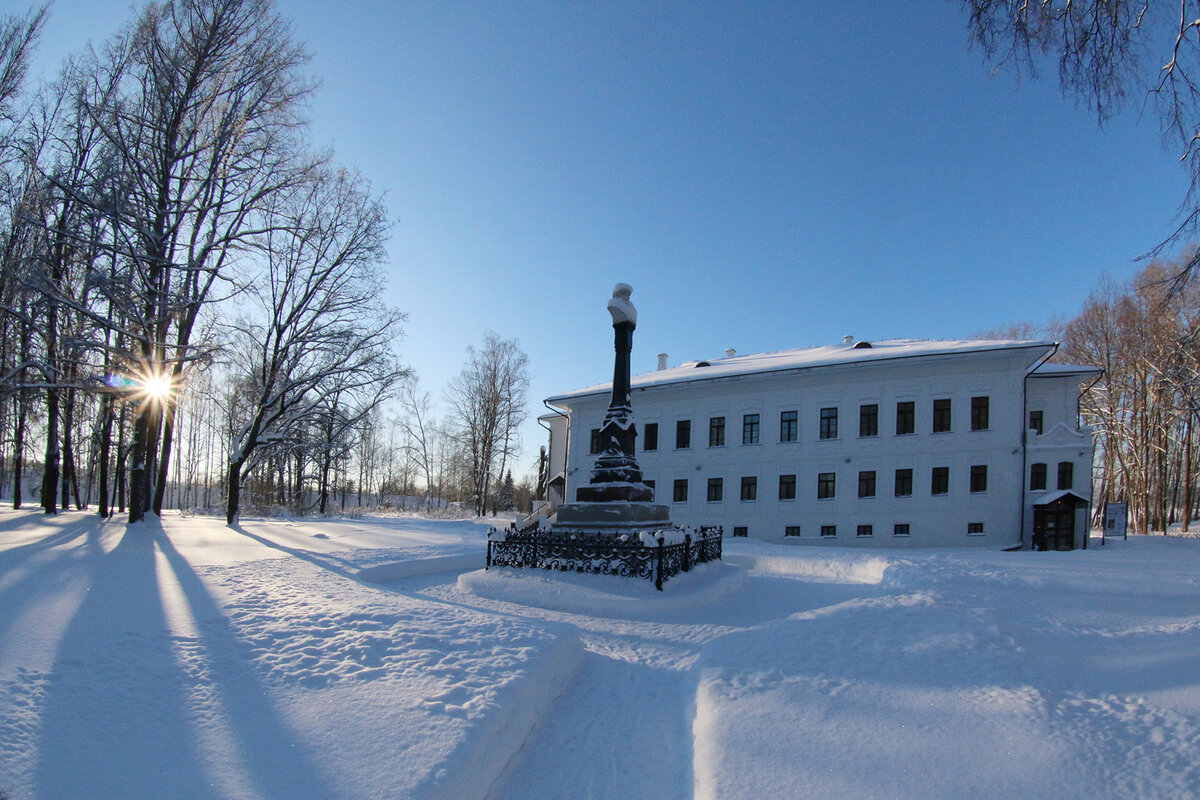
[[611, 516]]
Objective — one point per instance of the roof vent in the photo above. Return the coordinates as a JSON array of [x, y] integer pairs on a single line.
[[662, 361], [847, 339], [702, 364], [864, 345], [730, 352]]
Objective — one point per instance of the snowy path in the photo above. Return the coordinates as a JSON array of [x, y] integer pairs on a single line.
[[597, 743], [623, 727]]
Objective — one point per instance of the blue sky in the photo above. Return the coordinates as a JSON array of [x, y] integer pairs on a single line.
[[765, 175]]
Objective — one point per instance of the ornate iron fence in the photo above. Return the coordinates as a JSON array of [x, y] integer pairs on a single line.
[[630, 555]]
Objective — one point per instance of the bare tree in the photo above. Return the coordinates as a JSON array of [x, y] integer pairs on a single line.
[[319, 345], [203, 125], [1106, 51], [1143, 336], [488, 406], [417, 421]]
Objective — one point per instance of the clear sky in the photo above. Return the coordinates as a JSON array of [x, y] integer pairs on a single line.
[[765, 175]]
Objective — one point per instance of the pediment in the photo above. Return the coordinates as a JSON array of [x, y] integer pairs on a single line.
[[1061, 436]]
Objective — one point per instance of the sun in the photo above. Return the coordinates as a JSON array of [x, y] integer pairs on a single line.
[[157, 387]]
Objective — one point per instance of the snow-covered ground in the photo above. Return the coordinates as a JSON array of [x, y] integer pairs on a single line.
[[373, 659]]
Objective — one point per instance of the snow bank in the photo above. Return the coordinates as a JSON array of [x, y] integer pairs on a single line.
[[605, 595], [982, 675], [398, 570], [815, 566]]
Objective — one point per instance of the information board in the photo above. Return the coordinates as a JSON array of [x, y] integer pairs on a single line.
[[1116, 519]]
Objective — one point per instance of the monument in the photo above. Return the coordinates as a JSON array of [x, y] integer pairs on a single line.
[[616, 498]]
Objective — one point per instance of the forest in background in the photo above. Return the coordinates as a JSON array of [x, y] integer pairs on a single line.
[[190, 311]]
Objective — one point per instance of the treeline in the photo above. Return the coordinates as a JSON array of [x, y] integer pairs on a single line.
[[1143, 334], [190, 308]]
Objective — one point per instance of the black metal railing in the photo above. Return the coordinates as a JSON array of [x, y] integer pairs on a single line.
[[628, 555]]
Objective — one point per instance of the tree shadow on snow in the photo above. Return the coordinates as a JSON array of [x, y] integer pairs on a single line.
[[41, 575], [140, 704], [327, 561]]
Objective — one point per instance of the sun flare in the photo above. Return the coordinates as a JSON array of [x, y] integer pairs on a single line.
[[157, 387]]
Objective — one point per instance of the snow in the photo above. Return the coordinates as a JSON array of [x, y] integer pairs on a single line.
[[374, 658], [825, 356]]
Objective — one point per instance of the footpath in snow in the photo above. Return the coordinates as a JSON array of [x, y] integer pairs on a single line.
[[372, 658]]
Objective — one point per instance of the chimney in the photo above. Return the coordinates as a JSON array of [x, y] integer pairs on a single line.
[[847, 339], [662, 361], [730, 352]]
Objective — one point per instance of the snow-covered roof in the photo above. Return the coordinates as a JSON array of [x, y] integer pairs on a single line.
[[810, 357], [1051, 370]]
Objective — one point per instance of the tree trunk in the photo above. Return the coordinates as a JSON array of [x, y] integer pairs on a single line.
[[106, 421], [139, 476], [233, 492], [51, 465], [164, 463]]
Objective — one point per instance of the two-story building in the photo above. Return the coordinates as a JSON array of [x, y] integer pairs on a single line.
[[897, 443]]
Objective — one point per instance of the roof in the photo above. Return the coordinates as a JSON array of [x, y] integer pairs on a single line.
[[1049, 370], [1066, 495], [812, 357]]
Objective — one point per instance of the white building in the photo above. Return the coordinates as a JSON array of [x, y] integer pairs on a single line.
[[898, 443]]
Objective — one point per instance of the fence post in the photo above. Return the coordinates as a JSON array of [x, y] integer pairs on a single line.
[[489, 553], [687, 552], [658, 576]]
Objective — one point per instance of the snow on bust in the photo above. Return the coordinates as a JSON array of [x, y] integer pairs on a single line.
[[621, 307]]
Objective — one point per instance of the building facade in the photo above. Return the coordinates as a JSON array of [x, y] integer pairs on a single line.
[[898, 443]]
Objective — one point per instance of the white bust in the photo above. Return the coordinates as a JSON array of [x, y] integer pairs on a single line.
[[620, 307]]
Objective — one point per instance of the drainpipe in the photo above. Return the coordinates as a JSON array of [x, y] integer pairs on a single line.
[[566, 444], [1025, 434]]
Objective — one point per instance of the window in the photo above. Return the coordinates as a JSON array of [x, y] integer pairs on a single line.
[[650, 434], [1066, 474], [940, 481], [828, 531], [750, 429], [791, 530], [900, 529], [903, 482], [787, 426], [787, 487], [749, 487], [828, 423], [680, 494], [741, 530], [974, 529], [716, 490], [683, 434], [906, 417], [979, 413], [941, 415], [866, 484], [866, 530], [716, 432], [979, 478], [826, 485], [868, 420], [1035, 421], [1037, 477], [596, 445]]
